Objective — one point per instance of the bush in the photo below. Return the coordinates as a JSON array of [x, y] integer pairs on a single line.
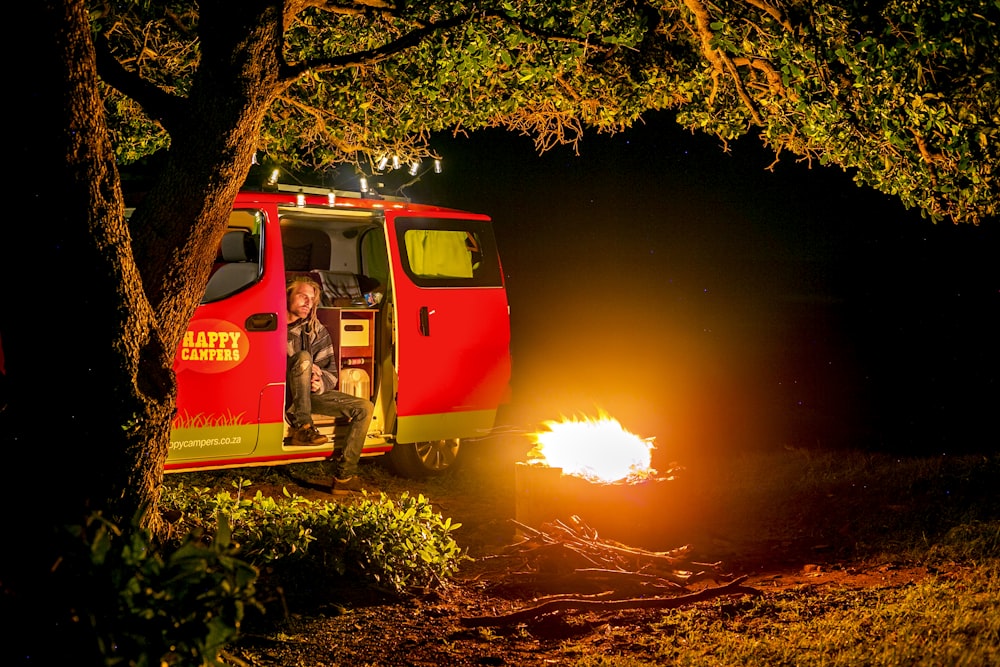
[[141, 605], [397, 545]]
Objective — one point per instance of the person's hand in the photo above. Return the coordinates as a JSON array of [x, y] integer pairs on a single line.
[[317, 380]]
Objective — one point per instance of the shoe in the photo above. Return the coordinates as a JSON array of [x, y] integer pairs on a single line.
[[308, 436], [342, 487]]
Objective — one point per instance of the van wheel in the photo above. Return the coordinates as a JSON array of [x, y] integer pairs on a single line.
[[423, 459]]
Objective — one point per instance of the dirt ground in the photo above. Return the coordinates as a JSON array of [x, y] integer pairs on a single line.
[[765, 544]]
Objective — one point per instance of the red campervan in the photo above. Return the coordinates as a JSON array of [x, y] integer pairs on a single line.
[[413, 296]]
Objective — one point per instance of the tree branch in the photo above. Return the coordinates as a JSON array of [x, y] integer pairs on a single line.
[[774, 84], [580, 604], [409, 40], [720, 61], [158, 104], [773, 12], [376, 55]]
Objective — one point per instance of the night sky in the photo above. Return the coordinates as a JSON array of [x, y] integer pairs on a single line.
[[711, 304]]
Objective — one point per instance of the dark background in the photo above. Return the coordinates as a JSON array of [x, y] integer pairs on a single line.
[[707, 302]]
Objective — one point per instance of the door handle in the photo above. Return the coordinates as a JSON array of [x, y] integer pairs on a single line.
[[262, 322], [425, 321]]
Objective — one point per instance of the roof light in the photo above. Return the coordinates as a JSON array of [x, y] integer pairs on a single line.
[[382, 162], [273, 177], [300, 200], [437, 166], [331, 198], [413, 168], [363, 184], [395, 162]]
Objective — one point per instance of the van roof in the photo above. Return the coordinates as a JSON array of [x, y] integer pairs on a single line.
[[327, 198]]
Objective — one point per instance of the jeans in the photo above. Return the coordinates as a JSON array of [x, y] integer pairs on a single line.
[[303, 403]]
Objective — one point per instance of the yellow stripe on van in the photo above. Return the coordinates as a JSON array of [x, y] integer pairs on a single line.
[[443, 426]]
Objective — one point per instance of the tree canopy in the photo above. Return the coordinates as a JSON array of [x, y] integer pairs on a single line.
[[903, 94]]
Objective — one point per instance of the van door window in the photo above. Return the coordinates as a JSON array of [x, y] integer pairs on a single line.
[[237, 261], [449, 253]]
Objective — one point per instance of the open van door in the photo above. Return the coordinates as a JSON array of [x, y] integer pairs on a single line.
[[231, 363], [452, 334]]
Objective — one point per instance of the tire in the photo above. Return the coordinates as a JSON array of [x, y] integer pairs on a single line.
[[423, 459]]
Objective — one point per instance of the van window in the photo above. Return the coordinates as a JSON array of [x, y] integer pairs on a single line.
[[238, 259], [449, 253]]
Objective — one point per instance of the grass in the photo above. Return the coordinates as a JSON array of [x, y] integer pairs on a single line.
[[851, 510], [860, 504], [939, 621], [941, 512]]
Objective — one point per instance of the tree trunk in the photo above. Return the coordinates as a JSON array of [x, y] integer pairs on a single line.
[[83, 327], [77, 327], [213, 142], [93, 306]]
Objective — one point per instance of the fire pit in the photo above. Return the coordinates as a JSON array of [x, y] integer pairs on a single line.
[[597, 471]]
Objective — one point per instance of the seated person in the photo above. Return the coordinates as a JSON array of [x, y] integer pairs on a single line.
[[312, 381]]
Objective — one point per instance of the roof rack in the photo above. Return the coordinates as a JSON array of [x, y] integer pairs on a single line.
[[325, 192]]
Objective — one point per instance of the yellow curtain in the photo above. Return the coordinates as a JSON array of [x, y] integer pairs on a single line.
[[438, 254]]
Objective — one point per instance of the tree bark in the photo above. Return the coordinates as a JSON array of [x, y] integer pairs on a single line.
[[76, 326], [93, 306]]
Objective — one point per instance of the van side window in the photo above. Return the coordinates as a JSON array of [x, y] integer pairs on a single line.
[[449, 253], [237, 261]]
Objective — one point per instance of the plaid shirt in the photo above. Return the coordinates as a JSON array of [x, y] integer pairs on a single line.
[[315, 339]]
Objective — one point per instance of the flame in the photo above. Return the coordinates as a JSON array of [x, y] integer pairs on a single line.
[[598, 450]]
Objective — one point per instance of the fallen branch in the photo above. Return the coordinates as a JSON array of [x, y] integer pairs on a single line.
[[565, 553], [578, 604]]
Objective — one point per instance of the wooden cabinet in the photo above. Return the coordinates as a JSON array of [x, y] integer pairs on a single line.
[[353, 333]]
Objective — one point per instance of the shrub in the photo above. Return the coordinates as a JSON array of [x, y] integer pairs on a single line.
[[397, 545], [144, 605]]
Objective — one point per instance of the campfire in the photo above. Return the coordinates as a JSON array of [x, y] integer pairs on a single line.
[[597, 450], [594, 519], [595, 470]]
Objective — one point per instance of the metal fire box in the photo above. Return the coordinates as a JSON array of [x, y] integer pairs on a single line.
[[639, 514]]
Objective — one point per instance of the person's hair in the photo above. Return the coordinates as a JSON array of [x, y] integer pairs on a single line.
[[304, 280]]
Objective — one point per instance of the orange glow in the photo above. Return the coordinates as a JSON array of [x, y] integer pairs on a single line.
[[598, 450]]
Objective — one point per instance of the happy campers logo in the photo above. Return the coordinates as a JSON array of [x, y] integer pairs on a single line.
[[213, 346]]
